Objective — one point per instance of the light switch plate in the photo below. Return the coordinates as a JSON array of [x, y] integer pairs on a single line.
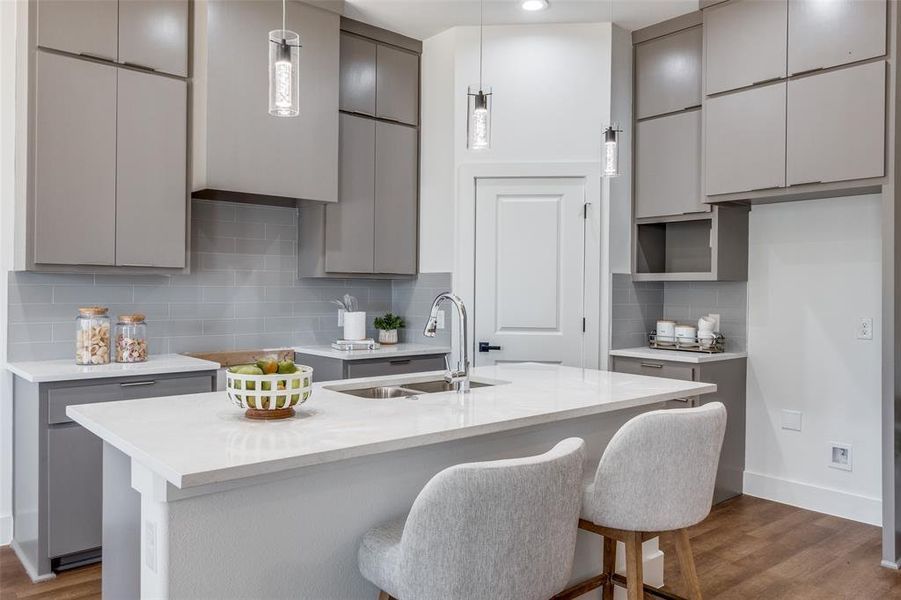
[[791, 420]]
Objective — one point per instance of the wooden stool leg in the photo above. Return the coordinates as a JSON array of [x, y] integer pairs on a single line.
[[609, 566], [634, 575], [687, 564], [384, 596]]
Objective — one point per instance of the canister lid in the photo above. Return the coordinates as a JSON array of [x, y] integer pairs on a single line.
[[93, 311], [133, 318]]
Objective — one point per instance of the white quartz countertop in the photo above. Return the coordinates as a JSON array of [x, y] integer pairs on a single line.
[[386, 351], [42, 371], [202, 438], [677, 355]]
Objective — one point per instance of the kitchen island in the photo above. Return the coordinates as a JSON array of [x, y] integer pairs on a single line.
[[201, 503]]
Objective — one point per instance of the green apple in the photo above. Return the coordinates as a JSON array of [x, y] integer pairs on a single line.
[[286, 367], [268, 365]]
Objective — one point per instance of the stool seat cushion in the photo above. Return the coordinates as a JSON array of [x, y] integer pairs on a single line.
[[379, 556]]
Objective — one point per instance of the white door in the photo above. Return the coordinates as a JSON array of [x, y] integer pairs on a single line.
[[529, 270]]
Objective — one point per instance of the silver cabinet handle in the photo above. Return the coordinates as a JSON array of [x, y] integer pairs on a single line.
[[651, 365], [97, 57], [766, 80], [806, 71], [138, 66], [137, 383], [399, 362]]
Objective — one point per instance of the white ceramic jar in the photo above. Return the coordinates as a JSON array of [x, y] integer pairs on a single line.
[[666, 332]]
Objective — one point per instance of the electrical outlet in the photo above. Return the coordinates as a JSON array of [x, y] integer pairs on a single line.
[[150, 545], [440, 319], [791, 420], [840, 456], [340, 317], [865, 328]]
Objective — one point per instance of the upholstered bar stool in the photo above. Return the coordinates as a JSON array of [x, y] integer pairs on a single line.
[[504, 529], [656, 476]]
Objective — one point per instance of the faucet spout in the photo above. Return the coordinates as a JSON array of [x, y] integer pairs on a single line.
[[459, 377]]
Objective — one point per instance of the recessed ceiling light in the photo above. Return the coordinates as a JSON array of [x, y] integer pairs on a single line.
[[535, 4]]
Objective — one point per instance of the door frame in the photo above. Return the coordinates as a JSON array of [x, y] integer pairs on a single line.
[[597, 300]]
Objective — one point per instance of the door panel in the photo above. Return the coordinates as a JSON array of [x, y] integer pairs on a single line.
[[74, 507], [668, 73], [397, 87], [396, 193], [357, 90], [825, 34], [155, 35], [836, 125], [79, 26], [529, 278], [668, 165]]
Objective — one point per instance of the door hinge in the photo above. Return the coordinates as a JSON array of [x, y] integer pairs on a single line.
[[583, 324]]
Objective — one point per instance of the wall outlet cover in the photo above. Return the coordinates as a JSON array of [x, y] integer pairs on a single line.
[[865, 328], [840, 456], [791, 420]]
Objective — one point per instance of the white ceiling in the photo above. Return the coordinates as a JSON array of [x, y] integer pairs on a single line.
[[424, 18]]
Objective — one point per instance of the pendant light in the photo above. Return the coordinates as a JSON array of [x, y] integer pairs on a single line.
[[284, 76], [478, 121], [611, 136]]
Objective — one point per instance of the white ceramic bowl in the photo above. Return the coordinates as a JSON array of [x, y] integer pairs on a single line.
[[269, 392]]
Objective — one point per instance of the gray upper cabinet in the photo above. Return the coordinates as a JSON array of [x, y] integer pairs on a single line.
[[746, 43], [151, 186], [396, 195], [826, 34], [668, 73], [348, 224], [745, 140], [82, 27], [397, 86], [74, 162], [668, 165], [836, 125], [358, 65], [154, 34], [248, 150]]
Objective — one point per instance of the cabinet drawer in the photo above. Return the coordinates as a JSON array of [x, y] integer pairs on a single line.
[[396, 366], [60, 398], [653, 368], [153, 388]]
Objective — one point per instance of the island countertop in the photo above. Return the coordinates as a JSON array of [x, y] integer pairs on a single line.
[[202, 439]]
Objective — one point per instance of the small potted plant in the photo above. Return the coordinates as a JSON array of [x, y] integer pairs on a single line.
[[388, 326]]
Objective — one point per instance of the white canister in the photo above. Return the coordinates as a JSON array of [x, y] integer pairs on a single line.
[[686, 333], [666, 331], [355, 325]]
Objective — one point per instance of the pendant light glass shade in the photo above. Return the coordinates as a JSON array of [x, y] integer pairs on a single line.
[[478, 121], [611, 151], [284, 77]]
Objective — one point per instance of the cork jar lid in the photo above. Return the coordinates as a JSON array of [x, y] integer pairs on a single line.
[[133, 318], [93, 311]]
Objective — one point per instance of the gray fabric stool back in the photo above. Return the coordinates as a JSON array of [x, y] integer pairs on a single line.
[[500, 529]]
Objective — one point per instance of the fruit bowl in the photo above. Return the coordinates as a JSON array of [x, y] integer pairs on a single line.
[[268, 395]]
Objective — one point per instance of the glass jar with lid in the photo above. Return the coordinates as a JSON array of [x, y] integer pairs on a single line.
[[92, 336], [131, 339]]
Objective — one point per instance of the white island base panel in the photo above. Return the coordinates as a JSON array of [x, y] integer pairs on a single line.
[[229, 508]]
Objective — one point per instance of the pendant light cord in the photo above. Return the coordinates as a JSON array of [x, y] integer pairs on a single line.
[[481, 36], [283, 20]]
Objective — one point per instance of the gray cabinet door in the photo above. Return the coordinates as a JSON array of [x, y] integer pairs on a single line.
[[397, 87], [154, 34], [151, 182], [826, 34], [74, 162], [357, 88], [75, 489], [745, 43], [836, 125], [79, 26], [396, 193], [348, 224], [653, 368], [668, 165], [744, 145], [668, 73], [248, 150]]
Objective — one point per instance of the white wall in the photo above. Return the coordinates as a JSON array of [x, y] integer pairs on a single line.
[[8, 12], [814, 271]]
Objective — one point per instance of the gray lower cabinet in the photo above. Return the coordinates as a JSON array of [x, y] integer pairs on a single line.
[[827, 34], [58, 465], [836, 125], [81, 27], [330, 369], [74, 161], [668, 165], [397, 85], [729, 377], [154, 35], [744, 140], [396, 198], [151, 172], [745, 43], [358, 67], [668, 73]]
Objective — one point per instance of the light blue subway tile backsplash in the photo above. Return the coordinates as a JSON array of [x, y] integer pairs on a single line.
[[242, 293]]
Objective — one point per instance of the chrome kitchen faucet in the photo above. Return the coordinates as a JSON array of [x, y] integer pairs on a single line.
[[459, 377]]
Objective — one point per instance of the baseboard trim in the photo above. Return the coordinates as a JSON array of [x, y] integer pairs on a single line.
[[6, 529], [890, 564], [811, 497], [29, 568]]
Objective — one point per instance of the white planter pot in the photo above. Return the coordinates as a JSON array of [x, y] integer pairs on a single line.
[[355, 325], [387, 336]]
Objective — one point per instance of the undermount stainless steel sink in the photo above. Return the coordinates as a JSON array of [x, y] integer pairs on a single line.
[[401, 390]]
